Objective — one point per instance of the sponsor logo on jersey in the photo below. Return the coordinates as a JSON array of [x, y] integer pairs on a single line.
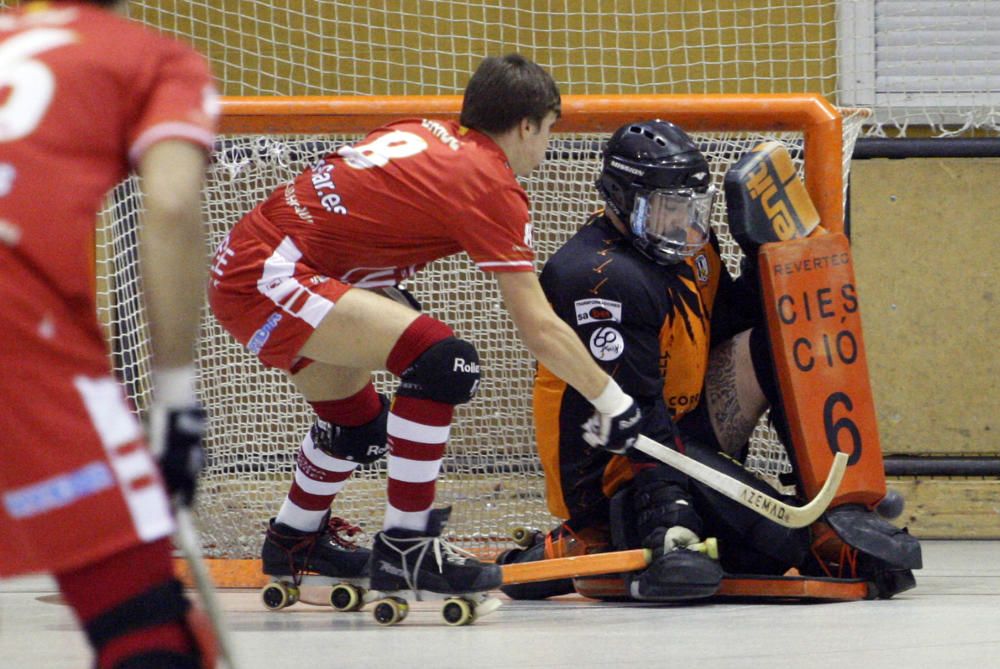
[[322, 181], [701, 265], [596, 309], [261, 336], [683, 402], [606, 344], [293, 202], [59, 491], [441, 132]]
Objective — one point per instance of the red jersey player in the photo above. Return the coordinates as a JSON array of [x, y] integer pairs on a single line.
[[86, 94], [288, 283]]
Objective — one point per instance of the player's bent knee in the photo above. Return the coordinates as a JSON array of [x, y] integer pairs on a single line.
[[448, 372], [362, 443]]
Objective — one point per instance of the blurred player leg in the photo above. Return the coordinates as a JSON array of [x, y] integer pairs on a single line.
[[137, 617]]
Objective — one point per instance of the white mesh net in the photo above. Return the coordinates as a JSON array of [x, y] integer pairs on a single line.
[[491, 474], [933, 62]]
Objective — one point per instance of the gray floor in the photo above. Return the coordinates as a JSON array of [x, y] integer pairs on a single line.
[[952, 619]]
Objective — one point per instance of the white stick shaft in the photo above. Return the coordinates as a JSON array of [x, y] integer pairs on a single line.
[[187, 540], [767, 506]]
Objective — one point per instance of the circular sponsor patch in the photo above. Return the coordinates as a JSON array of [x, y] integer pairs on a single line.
[[606, 344]]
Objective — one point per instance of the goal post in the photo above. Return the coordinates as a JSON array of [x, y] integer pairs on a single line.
[[491, 474]]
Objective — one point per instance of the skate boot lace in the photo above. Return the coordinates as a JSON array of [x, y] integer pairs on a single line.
[[341, 531], [442, 550]]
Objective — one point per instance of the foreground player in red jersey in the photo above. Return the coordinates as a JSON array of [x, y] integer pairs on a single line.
[[85, 95], [296, 282]]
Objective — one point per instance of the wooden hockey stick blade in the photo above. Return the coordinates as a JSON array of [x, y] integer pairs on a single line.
[[767, 506], [186, 538], [580, 565]]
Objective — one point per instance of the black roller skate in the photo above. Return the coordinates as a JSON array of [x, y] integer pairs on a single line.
[[407, 565], [326, 558]]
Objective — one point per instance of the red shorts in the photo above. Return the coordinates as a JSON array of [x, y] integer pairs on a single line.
[[77, 482], [267, 299]]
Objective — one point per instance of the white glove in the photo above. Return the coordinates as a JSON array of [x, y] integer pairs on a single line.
[[615, 423]]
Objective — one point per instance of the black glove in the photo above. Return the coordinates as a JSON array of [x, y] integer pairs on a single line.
[[615, 423], [176, 430], [177, 439]]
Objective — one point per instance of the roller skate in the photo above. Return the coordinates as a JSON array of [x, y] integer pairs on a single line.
[[327, 557], [560, 542], [407, 565]]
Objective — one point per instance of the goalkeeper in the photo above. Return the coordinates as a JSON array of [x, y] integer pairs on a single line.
[[643, 286]]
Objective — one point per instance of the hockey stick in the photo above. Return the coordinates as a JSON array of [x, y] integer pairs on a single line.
[[767, 506], [579, 565], [189, 544], [593, 564]]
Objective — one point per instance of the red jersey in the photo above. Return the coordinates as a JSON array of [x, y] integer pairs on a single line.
[[412, 191], [83, 93]]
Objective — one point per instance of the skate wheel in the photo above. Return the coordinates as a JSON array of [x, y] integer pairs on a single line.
[[523, 536], [390, 611], [458, 611], [346, 597], [277, 596]]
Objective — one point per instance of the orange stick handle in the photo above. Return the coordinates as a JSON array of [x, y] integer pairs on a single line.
[[580, 565]]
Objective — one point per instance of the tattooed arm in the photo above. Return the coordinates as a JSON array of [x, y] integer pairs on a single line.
[[735, 399]]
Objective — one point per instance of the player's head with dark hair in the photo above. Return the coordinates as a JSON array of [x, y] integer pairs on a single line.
[[505, 90], [656, 181], [104, 3]]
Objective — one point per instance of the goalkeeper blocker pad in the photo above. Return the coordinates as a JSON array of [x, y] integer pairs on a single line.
[[765, 200]]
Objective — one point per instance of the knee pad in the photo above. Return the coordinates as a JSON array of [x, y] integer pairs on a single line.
[[447, 372], [161, 605], [362, 444]]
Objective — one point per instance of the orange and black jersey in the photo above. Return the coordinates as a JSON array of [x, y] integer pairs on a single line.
[[649, 326]]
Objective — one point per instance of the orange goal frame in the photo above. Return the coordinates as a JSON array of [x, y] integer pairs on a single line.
[[819, 122], [811, 114]]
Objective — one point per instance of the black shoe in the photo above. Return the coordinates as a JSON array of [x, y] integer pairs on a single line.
[[676, 572], [678, 575], [411, 560], [291, 552], [538, 589]]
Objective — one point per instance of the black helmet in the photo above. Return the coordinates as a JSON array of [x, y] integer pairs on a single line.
[[657, 157]]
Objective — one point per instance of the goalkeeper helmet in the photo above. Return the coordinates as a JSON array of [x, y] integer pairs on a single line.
[[656, 180]]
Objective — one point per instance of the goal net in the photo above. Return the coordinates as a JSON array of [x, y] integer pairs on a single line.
[[491, 475]]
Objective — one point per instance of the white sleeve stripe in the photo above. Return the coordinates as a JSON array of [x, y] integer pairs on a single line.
[[169, 130], [505, 263]]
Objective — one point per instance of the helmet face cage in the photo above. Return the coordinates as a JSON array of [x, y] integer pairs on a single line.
[[656, 180], [671, 224]]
